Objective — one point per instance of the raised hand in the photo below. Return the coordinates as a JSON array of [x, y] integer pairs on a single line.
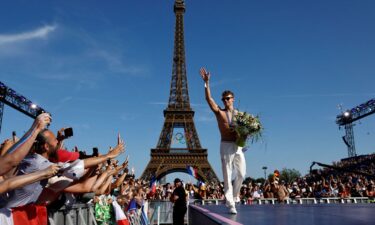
[[204, 74], [5, 146], [60, 134], [120, 148], [52, 170], [42, 121]]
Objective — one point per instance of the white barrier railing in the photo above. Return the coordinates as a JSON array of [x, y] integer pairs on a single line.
[[161, 211], [273, 201]]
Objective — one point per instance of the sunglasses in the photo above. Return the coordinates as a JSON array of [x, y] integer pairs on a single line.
[[226, 98]]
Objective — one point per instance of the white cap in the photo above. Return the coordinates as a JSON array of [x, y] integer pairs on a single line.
[[74, 170]]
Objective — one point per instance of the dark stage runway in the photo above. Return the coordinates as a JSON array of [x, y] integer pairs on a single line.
[[319, 214]]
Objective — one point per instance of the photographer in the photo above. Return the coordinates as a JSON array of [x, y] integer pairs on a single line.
[[21, 148]]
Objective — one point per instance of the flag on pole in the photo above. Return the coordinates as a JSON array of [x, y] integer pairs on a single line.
[[132, 207], [153, 184], [121, 219], [144, 218], [192, 171]]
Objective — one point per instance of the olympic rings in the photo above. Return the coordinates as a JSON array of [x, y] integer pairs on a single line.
[[179, 138]]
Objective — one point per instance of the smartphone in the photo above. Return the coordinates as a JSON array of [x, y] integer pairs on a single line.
[[95, 151], [14, 136], [68, 132]]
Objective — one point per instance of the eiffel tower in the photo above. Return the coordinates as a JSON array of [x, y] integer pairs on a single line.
[[166, 159]]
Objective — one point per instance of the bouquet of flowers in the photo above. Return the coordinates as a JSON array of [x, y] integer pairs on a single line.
[[247, 127]]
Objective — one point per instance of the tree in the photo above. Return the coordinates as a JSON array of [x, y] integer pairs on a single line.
[[259, 180], [289, 175], [248, 180]]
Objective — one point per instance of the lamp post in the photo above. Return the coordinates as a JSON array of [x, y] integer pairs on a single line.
[[265, 172]]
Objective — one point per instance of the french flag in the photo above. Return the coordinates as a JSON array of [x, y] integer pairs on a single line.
[[121, 219], [153, 184], [144, 218], [192, 171]]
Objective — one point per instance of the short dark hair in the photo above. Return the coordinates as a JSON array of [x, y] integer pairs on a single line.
[[227, 92], [40, 140]]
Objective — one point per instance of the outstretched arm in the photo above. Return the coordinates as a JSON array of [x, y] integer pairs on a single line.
[[60, 138], [206, 78], [82, 186], [20, 149], [5, 146], [104, 186], [93, 161], [22, 180], [101, 179]]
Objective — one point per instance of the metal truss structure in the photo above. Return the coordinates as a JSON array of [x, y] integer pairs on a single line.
[[347, 118], [11, 98]]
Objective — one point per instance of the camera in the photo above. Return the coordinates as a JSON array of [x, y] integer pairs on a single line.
[[68, 132], [40, 111]]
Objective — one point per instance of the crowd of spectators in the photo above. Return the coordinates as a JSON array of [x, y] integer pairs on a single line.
[[354, 177], [36, 170]]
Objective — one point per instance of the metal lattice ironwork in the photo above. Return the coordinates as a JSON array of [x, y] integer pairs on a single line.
[[164, 158], [347, 118], [349, 139], [356, 113], [13, 99]]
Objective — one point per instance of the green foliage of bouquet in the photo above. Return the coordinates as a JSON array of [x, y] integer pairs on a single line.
[[248, 127]]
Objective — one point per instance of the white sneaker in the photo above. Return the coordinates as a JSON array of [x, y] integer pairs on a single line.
[[228, 204], [232, 210], [237, 200]]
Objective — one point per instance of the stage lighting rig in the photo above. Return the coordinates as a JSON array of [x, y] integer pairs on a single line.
[[13, 99], [347, 118], [356, 113]]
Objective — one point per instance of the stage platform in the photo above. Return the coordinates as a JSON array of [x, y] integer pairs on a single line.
[[311, 214]]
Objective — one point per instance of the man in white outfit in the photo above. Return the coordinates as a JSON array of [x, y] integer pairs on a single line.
[[232, 157]]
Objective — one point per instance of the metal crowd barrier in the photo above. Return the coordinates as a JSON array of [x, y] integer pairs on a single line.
[[161, 212], [78, 214]]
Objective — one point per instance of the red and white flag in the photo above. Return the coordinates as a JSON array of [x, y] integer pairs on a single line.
[[24, 215], [120, 215]]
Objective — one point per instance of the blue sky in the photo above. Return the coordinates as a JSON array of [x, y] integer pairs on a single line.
[[104, 67]]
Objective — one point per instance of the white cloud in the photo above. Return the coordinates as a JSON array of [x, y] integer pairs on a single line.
[[38, 33], [115, 62]]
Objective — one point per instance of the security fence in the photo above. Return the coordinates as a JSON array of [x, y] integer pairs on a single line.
[[160, 212], [273, 201]]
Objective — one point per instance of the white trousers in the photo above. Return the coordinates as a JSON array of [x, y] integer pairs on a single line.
[[232, 162]]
